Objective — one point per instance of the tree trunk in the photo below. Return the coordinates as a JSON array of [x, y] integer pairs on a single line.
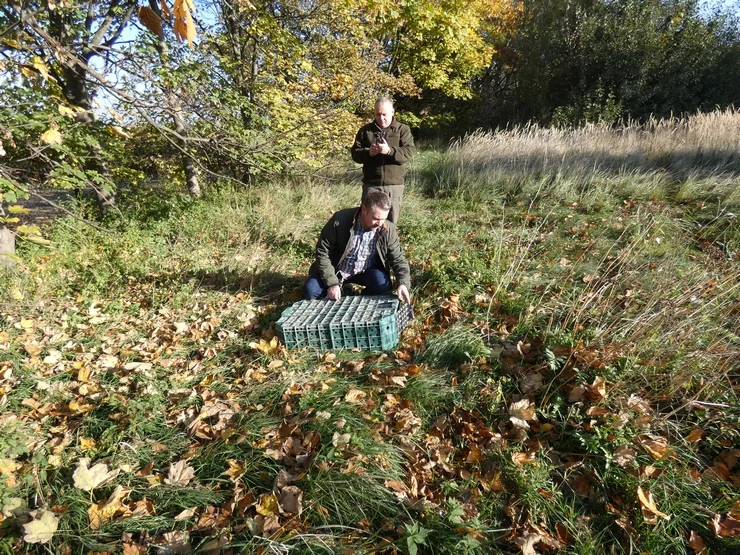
[[191, 177], [175, 106], [77, 93], [7, 248]]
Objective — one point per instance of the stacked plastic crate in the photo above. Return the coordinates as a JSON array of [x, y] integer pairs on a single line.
[[365, 322]]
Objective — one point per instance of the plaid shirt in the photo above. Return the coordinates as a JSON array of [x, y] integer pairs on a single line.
[[362, 254]]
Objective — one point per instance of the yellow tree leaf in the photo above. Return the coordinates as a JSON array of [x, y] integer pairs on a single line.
[[51, 136], [88, 479], [40, 66], [42, 529], [66, 112], [184, 25]]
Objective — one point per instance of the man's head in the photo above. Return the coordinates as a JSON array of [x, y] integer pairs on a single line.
[[384, 112], [374, 209]]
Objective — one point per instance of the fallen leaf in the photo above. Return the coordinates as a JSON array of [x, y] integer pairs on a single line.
[[291, 500], [624, 455], [650, 512], [597, 390], [88, 479], [656, 446], [180, 474], [267, 505], [694, 435], [523, 410], [103, 512], [520, 459], [186, 514], [340, 441], [355, 396], [526, 543], [42, 529], [697, 544]]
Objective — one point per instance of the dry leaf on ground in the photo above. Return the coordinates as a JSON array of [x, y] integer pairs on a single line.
[[624, 455], [650, 511], [180, 474], [656, 446], [42, 529], [88, 479]]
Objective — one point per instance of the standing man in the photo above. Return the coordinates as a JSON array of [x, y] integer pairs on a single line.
[[358, 245], [383, 146]]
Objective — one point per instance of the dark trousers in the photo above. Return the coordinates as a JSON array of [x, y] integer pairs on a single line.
[[375, 280]]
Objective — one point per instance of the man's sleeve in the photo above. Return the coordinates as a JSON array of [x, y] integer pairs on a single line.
[[326, 244], [397, 260], [360, 152], [405, 149]]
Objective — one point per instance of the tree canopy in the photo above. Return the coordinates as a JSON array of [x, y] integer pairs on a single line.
[[107, 93]]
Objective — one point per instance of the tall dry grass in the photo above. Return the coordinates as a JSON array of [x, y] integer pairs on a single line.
[[687, 157]]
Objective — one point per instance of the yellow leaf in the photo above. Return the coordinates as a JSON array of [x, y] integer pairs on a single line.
[[87, 443], [354, 396], [236, 469], [40, 66], [51, 137], [267, 504], [28, 72], [18, 209], [66, 112], [104, 511], [184, 26], [650, 511], [116, 130], [42, 529], [16, 293]]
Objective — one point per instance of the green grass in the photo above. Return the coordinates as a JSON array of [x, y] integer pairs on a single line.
[[525, 285]]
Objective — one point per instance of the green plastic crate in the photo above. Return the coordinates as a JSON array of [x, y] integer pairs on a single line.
[[365, 322]]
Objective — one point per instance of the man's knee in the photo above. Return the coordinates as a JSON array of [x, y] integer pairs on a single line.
[[313, 289], [378, 282]]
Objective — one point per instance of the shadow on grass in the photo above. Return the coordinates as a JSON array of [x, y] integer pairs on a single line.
[[264, 284]]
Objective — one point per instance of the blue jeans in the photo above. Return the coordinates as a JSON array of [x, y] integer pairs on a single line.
[[375, 280]]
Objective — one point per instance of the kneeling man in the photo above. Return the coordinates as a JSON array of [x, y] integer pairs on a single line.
[[359, 245]]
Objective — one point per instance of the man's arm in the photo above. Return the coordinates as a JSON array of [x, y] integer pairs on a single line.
[[405, 149], [360, 151], [326, 244]]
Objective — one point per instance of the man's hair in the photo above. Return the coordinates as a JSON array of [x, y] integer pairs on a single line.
[[377, 199], [384, 100]]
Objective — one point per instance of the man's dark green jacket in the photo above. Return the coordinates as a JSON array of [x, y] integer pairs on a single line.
[[334, 241], [384, 169]]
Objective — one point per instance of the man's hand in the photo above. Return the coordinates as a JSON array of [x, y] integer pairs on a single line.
[[403, 294], [335, 293], [379, 148]]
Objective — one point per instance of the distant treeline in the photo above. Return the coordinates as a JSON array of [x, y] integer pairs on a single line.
[[111, 95], [576, 61]]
